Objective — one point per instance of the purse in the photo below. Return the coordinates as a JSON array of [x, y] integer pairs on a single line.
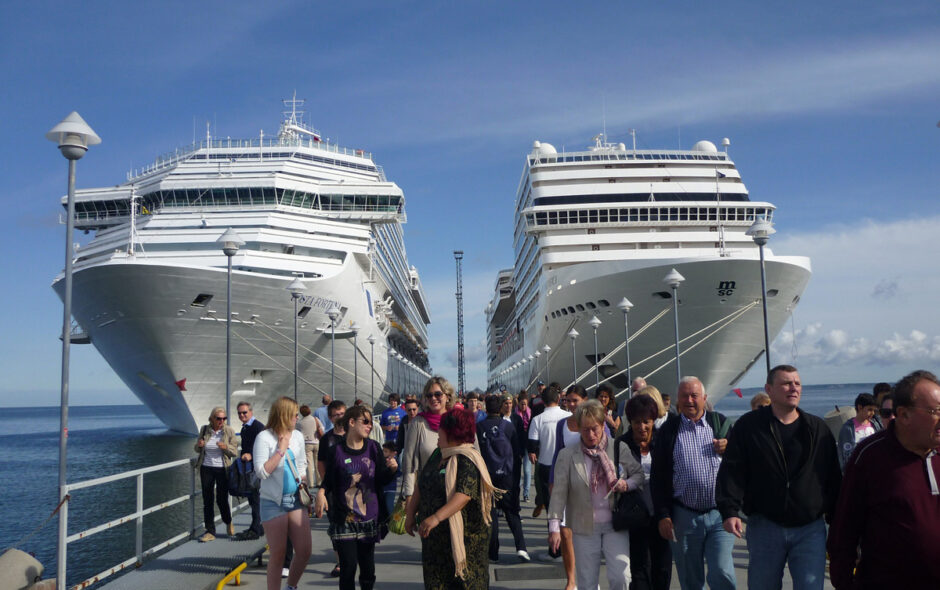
[[303, 494], [630, 510], [396, 522]]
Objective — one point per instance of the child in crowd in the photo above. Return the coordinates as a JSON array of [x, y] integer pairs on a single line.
[[857, 429], [391, 489]]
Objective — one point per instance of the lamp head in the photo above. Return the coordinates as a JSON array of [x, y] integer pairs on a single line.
[[355, 327], [595, 322], [624, 305], [573, 334], [333, 313], [760, 231], [673, 279], [73, 136], [230, 242], [546, 349], [296, 288], [371, 339]]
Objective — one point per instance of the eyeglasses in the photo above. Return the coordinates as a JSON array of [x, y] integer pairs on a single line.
[[934, 412], [243, 413], [434, 394], [886, 412], [366, 422]]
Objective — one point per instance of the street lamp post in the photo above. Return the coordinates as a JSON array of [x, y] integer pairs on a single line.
[[595, 323], [538, 355], [371, 340], [573, 334], [548, 363], [296, 288], [230, 243], [73, 135], [625, 307], [333, 314], [673, 279], [355, 331], [760, 231]]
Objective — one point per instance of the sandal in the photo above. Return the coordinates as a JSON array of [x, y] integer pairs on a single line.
[[335, 572]]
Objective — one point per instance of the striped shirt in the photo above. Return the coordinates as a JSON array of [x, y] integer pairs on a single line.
[[695, 464]]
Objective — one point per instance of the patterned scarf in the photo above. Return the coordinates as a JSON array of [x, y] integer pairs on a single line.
[[488, 494], [603, 472]]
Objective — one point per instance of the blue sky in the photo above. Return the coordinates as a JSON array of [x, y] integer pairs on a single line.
[[831, 108]]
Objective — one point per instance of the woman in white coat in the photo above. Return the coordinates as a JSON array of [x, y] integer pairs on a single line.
[[585, 479]]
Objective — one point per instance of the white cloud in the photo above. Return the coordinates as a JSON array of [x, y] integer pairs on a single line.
[[852, 323]]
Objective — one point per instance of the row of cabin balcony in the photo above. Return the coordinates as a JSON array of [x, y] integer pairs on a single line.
[[597, 253], [630, 239], [645, 174], [539, 221]]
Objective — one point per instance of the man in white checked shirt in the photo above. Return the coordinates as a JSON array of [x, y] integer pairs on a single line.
[[686, 456]]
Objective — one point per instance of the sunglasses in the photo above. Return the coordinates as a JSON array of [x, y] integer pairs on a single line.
[[434, 394], [219, 418], [243, 413]]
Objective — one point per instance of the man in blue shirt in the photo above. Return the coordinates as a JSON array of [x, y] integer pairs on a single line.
[[323, 414], [686, 456], [391, 418]]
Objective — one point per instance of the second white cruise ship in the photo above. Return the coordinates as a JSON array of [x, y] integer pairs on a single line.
[[149, 290], [593, 227]]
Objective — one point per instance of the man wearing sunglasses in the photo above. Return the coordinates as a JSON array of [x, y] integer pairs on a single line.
[[889, 505], [251, 428]]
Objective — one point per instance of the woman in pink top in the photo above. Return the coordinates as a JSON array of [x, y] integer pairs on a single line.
[[857, 429]]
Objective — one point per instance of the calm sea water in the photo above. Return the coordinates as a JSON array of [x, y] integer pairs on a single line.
[[105, 440]]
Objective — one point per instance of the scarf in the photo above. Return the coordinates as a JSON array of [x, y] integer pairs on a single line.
[[603, 472], [434, 420], [526, 416], [488, 494]]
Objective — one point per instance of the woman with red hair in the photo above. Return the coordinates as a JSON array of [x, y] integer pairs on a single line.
[[452, 501]]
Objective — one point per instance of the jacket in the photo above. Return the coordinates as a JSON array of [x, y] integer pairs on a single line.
[[664, 444], [753, 476], [228, 438], [571, 494], [846, 442], [249, 433], [420, 442]]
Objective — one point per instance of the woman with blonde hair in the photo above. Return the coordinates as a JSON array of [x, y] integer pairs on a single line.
[[660, 406], [216, 446], [281, 463], [421, 435], [585, 477]]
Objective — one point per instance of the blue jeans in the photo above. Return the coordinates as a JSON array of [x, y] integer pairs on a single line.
[[770, 545], [701, 538], [526, 476]]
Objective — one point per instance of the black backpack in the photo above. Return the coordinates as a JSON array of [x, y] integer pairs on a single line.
[[496, 446]]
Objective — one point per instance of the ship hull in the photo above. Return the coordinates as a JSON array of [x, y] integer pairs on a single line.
[[171, 353], [720, 321]]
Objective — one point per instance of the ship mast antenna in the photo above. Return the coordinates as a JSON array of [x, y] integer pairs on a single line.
[[458, 257]]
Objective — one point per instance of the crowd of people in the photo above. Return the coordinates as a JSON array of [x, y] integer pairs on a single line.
[[777, 477]]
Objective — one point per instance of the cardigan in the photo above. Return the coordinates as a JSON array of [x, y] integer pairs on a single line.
[[272, 484], [228, 438], [420, 442]]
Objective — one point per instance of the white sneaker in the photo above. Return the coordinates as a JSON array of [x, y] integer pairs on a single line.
[[523, 556], [285, 572]]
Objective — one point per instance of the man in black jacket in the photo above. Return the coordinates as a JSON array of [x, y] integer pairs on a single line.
[[686, 455], [251, 427], [781, 468]]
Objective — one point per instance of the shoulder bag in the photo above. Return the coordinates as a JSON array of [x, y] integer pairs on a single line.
[[630, 510], [303, 494]]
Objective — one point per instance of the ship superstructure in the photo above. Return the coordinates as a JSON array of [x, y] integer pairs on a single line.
[[595, 226], [150, 288]]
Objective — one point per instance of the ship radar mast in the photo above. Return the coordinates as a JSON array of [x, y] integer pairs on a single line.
[[293, 126]]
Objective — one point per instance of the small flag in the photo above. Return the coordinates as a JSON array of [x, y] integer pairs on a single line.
[[737, 391], [719, 174], [181, 384]]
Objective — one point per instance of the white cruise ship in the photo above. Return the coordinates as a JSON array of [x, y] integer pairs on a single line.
[[150, 288], [609, 222]]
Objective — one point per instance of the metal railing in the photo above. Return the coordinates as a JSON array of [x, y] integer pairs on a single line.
[[137, 517]]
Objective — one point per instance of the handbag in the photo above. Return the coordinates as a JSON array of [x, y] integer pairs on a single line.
[[303, 494], [396, 522], [630, 510], [242, 480]]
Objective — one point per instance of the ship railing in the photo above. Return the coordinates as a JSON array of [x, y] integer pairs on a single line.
[[136, 517], [171, 158]]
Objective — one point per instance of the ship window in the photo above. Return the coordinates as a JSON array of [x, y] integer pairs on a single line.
[[564, 311], [592, 216], [582, 216], [663, 294], [580, 307], [570, 309], [603, 303], [773, 292], [590, 305], [303, 311], [603, 216], [201, 300]]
